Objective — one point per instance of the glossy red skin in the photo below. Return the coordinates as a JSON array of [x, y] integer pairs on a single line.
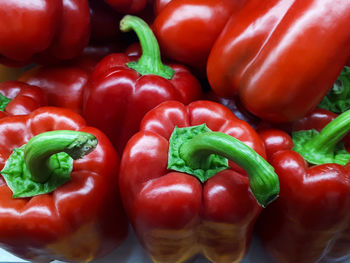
[[73, 33], [117, 97], [62, 84], [276, 54], [82, 219], [24, 98], [181, 21], [173, 214], [312, 208], [159, 5], [42, 30], [317, 120]]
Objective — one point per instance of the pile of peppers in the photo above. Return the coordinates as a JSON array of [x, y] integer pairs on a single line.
[[198, 124]]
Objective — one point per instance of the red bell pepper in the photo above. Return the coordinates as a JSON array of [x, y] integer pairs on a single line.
[[121, 90], [63, 84], [276, 56], [181, 198], [159, 5], [64, 209], [187, 29], [42, 29], [311, 216], [18, 98]]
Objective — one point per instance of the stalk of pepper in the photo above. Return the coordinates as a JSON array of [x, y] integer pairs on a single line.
[[18, 98], [121, 90], [181, 20], [182, 197], [54, 207], [312, 212], [42, 30], [276, 54]]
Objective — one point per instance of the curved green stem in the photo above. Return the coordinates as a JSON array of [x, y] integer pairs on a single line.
[[197, 154], [150, 62], [323, 147], [40, 148], [3, 102]]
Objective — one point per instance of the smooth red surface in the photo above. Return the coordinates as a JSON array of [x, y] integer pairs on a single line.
[[79, 221], [173, 214], [187, 29], [312, 210], [117, 97], [24, 98], [159, 5], [63, 84], [276, 55], [46, 30]]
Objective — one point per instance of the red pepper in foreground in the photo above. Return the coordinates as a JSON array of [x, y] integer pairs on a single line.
[[82, 218], [311, 216], [121, 90], [42, 30], [18, 98], [187, 29], [177, 215], [276, 55]]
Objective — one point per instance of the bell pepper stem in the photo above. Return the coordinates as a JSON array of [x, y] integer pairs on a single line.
[[3, 102], [40, 148], [262, 178], [150, 61], [331, 134], [324, 147]]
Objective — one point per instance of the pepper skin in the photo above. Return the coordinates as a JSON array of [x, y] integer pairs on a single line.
[[276, 56], [159, 5], [172, 213], [42, 30], [24, 98], [317, 120], [63, 84], [82, 219], [180, 21], [312, 211], [117, 96]]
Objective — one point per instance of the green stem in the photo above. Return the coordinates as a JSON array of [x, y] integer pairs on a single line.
[[40, 148], [324, 147], [331, 134], [195, 150], [150, 62], [3, 102]]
